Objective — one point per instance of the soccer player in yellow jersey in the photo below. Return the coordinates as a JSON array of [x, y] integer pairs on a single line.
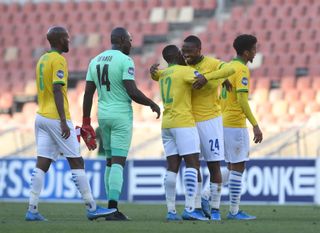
[[235, 112], [179, 133], [207, 113], [55, 134]]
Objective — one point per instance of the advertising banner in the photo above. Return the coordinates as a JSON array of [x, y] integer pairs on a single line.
[[266, 180]]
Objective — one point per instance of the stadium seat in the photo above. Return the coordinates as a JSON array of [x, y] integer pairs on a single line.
[[307, 95], [237, 12], [157, 15], [263, 83], [316, 83], [261, 109], [280, 108], [292, 95], [304, 83], [260, 96], [185, 14], [275, 95], [6, 100], [312, 107], [288, 83], [296, 107]]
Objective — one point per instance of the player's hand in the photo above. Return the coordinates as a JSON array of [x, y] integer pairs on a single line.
[[227, 85], [65, 130], [257, 138], [87, 133], [154, 68], [155, 108], [200, 81]]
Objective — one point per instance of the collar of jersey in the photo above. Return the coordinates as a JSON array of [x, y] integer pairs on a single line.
[[53, 50], [239, 60], [169, 65]]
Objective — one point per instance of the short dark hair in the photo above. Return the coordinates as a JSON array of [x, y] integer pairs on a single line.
[[193, 39], [244, 42], [54, 34], [117, 33], [170, 52]]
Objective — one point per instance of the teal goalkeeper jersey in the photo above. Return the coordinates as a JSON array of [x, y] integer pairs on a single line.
[[107, 71]]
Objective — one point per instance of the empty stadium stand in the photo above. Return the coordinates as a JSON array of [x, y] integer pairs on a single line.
[[285, 90]]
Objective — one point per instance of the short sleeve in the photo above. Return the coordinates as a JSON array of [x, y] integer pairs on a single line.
[[128, 69], [242, 82], [59, 71], [89, 76]]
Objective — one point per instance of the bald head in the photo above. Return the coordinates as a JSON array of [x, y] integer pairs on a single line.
[[58, 38], [121, 40]]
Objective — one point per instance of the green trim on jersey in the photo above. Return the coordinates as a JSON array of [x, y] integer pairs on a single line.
[[239, 60], [59, 82], [53, 50], [242, 90], [221, 65]]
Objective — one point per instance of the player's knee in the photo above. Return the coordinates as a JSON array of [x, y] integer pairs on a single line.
[[76, 163], [173, 167]]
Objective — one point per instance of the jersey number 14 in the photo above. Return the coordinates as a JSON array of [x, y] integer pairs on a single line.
[[103, 77]]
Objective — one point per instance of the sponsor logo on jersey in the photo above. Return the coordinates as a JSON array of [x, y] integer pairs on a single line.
[[131, 70], [196, 73], [60, 74], [244, 81]]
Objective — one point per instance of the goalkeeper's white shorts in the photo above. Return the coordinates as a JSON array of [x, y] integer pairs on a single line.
[[181, 141], [236, 144], [49, 141]]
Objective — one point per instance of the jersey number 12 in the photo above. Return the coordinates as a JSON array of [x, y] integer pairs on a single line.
[[166, 97]]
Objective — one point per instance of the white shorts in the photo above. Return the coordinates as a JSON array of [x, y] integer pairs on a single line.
[[236, 144], [180, 141], [49, 141], [211, 139]]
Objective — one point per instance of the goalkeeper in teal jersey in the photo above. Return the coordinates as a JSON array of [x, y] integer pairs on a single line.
[[112, 74]]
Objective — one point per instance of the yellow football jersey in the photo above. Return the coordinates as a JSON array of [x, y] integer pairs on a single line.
[[205, 101], [232, 113], [51, 69], [176, 87]]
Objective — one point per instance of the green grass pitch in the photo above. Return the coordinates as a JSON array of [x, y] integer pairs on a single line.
[[70, 218]]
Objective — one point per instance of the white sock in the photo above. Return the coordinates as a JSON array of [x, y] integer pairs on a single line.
[[225, 175], [170, 181], [235, 186], [190, 179], [198, 196], [36, 184], [206, 193], [215, 193], [81, 181]]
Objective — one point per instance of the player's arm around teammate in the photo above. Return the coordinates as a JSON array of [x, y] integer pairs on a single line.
[[207, 114], [179, 134]]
